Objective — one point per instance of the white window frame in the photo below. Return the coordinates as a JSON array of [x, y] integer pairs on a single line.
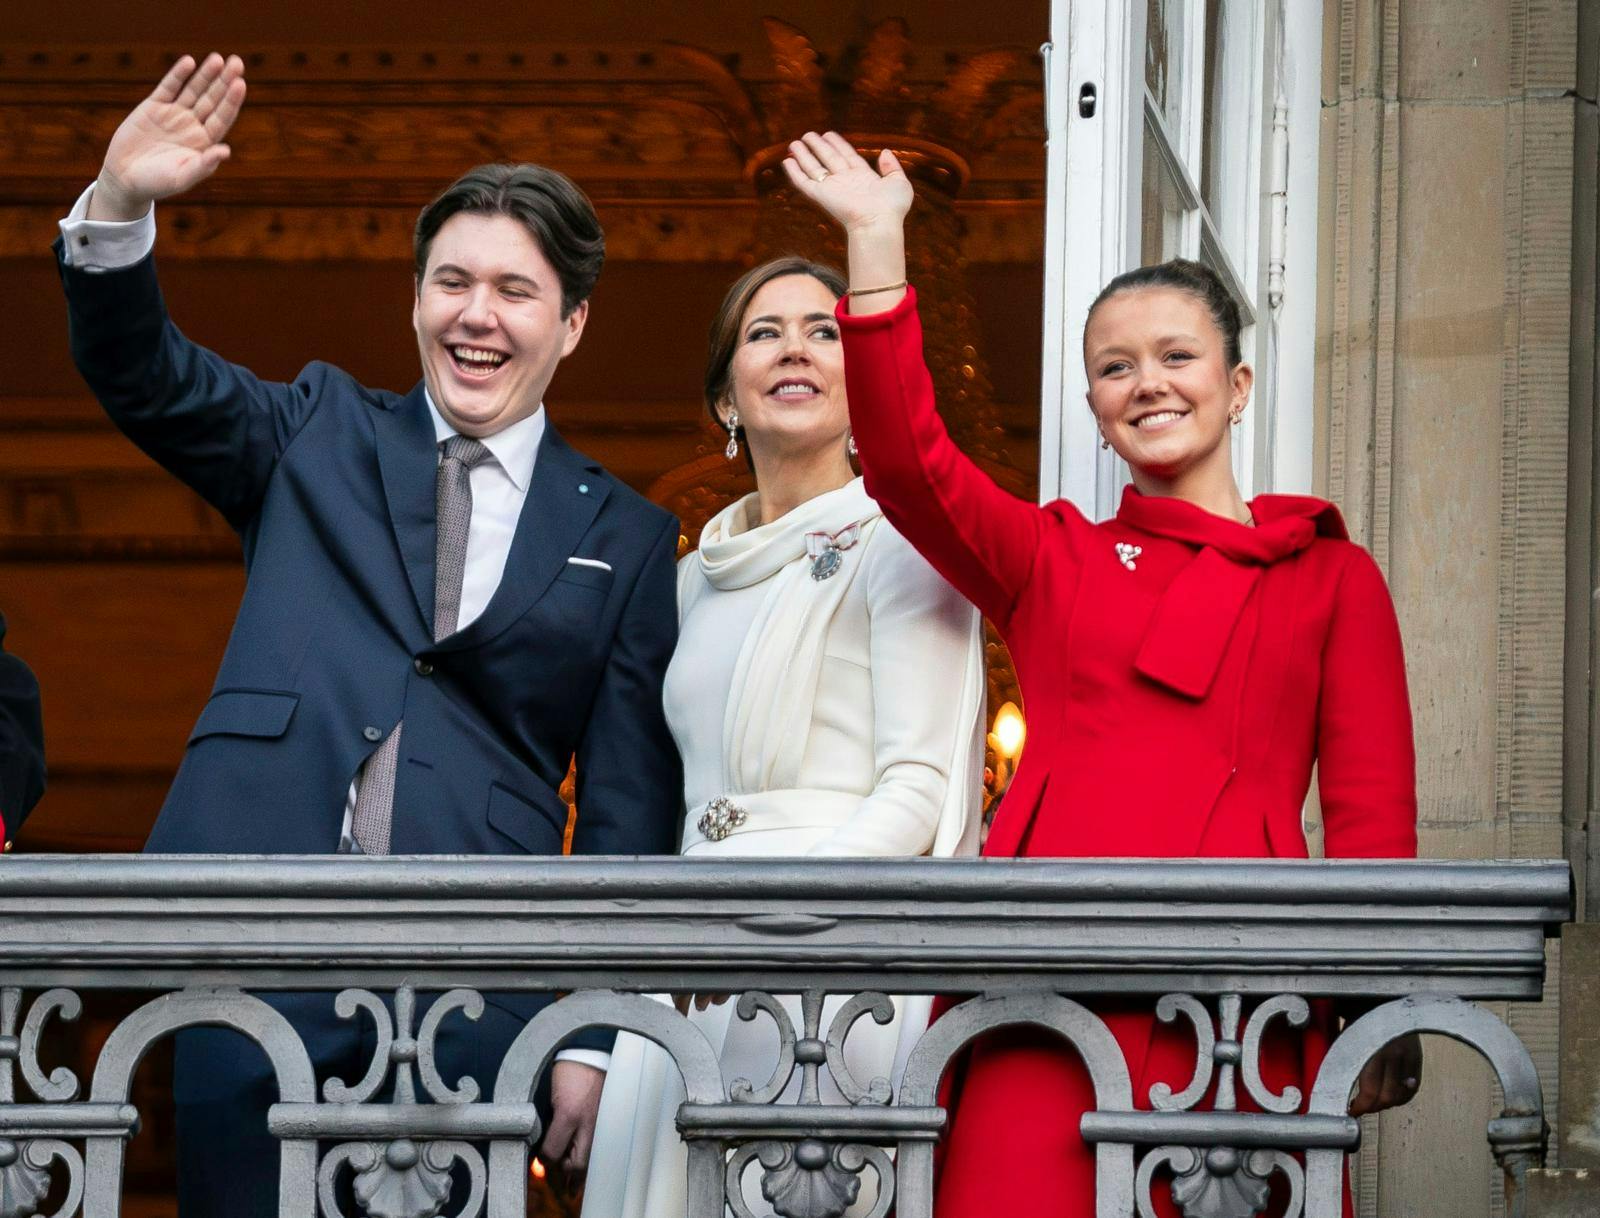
[[1094, 184]]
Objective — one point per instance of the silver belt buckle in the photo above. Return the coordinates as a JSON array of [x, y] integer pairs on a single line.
[[721, 817]]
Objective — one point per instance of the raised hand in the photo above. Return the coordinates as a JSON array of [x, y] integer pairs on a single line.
[[827, 170], [173, 139]]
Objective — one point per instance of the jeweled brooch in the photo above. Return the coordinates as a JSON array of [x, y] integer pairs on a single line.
[[721, 817], [1127, 553]]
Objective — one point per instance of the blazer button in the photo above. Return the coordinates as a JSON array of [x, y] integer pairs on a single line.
[[372, 734], [424, 669]]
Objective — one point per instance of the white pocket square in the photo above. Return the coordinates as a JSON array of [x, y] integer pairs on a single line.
[[590, 562]]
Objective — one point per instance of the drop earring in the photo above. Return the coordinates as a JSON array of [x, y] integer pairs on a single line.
[[1235, 415], [850, 443], [1104, 443], [732, 450]]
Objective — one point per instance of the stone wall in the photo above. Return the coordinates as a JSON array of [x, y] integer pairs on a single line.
[[1443, 400]]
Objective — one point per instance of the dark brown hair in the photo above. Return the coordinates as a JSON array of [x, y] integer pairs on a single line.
[[1195, 278], [546, 203], [725, 326]]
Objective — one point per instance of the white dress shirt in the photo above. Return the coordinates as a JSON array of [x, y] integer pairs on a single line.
[[499, 486]]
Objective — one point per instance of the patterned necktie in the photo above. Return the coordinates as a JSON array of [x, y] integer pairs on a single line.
[[453, 511]]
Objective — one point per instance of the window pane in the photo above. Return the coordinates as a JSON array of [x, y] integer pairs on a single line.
[[1228, 129], [1163, 57], [1160, 208]]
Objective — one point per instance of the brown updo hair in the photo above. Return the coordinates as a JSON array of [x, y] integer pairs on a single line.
[[1195, 278], [729, 319]]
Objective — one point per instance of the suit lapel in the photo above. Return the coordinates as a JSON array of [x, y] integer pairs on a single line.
[[563, 499], [408, 456]]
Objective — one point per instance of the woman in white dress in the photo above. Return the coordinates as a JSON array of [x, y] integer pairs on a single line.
[[826, 695]]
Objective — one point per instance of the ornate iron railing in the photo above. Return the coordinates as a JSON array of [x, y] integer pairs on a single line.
[[1227, 948]]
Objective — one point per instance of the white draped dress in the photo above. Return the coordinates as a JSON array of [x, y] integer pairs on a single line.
[[845, 716]]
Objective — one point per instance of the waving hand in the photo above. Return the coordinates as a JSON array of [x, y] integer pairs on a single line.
[[173, 139], [869, 204], [829, 171]]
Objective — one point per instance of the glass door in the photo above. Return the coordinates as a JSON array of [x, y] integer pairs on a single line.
[[1163, 116]]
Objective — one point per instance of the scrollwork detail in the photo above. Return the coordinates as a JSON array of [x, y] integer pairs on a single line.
[[1223, 1055], [743, 1090], [25, 1176], [1298, 1013], [470, 1004], [62, 1084], [810, 1179], [1168, 1009], [881, 1008], [399, 1051], [402, 1178], [1263, 1163], [1220, 1182], [345, 1006]]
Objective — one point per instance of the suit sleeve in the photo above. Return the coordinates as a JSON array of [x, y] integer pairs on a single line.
[[630, 779], [216, 426], [922, 635], [1366, 759], [979, 537], [21, 741]]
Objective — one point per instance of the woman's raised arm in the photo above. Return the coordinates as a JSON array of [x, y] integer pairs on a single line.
[[979, 537]]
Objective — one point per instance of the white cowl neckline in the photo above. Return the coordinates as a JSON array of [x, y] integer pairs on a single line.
[[736, 552], [775, 678]]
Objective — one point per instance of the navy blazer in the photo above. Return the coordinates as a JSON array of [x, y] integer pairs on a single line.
[[21, 741], [331, 486]]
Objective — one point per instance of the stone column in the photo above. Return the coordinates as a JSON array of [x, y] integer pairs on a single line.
[[1443, 374]]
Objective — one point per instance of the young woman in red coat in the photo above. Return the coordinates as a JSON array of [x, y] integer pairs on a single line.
[[1183, 665]]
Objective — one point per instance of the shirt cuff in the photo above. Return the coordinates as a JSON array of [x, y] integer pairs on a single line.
[[586, 1057], [105, 245]]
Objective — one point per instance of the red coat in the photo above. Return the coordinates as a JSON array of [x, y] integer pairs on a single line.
[[1181, 673]]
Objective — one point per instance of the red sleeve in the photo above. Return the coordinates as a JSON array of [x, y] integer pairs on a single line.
[[1366, 761], [979, 537]]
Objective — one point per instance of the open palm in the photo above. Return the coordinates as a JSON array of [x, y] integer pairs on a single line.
[[829, 171], [173, 139]]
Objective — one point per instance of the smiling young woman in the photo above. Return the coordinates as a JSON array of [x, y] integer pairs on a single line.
[[1184, 664], [1166, 381]]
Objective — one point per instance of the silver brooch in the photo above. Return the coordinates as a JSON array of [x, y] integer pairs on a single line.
[[826, 564], [721, 817], [1127, 553], [825, 549]]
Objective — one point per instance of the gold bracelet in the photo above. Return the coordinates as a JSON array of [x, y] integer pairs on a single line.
[[888, 287]]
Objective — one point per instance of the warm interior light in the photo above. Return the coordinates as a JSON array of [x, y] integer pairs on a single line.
[[537, 1170], [1009, 731]]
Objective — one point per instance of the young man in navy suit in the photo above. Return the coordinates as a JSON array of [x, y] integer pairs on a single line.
[[21, 742], [444, 605]]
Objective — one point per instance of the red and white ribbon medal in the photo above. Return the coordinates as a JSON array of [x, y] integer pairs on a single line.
[[825, 548]]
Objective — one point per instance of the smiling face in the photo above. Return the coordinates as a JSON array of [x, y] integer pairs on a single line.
[[1159, 382], [488, 322], [787, 375]]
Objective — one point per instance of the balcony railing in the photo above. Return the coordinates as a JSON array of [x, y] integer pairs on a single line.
[[1225, 948]]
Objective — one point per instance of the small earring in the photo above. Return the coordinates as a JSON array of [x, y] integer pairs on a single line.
[[732, 450], [1235, 415], [1104, 443], [850, 443]]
